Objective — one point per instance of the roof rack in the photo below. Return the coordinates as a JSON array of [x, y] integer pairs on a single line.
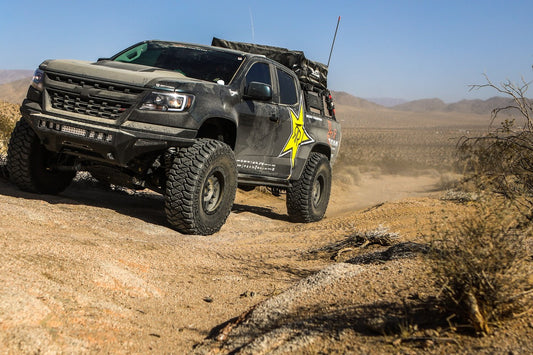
[[308, 71]]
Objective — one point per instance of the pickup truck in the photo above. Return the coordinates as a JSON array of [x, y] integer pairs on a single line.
[[193, 122]]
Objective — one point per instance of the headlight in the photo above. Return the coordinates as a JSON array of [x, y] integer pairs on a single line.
[[158, 101], [37, 79]]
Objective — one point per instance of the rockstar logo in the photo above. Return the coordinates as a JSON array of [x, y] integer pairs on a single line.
[[298, 136]]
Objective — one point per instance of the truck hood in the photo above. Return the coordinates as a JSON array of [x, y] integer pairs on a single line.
[[129, 74]]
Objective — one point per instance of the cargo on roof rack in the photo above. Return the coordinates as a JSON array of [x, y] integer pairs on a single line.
[[308, 71]]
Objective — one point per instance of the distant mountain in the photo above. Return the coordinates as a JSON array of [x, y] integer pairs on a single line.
[[15, 91], [343, 98], [386, 101], [7, 76], [480, 106], [464, 106], [422, 105]]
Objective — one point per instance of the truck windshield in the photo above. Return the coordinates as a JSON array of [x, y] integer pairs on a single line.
[[194, 62]]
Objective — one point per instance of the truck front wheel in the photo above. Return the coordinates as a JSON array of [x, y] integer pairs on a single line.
[[308, 198], [31, 165], [200, 188]]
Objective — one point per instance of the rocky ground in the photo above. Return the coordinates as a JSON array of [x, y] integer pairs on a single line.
[[100, 271]]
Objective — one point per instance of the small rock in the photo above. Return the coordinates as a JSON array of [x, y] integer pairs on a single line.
[[247, 294], [208, 299], [376, 324]]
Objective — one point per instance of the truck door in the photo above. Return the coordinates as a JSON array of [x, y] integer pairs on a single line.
[[260, 128], [293, 133]]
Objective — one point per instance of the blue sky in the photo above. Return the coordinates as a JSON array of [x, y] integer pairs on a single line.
[[401, 49]]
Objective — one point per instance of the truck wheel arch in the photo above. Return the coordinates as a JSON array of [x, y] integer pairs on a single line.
[[218, 128], [322, 149]]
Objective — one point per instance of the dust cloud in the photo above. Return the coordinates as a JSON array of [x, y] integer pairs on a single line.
[[353, 190]]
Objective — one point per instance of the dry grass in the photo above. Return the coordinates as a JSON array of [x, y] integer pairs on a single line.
[[344, 249], [9, 114], [482, 264]]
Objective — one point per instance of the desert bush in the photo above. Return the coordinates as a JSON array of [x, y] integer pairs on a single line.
[[4, 133], [482, 264], [482, 261], [502, 160], [460, 195], [9, 114]]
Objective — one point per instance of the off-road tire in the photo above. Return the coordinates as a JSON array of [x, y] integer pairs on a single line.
[[200, 188], [308, 198], [27, 163]]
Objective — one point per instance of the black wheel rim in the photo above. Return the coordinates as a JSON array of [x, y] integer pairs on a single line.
[[212, 192]]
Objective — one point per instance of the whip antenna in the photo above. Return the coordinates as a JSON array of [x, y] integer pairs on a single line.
[[252, 23], [335, 36]]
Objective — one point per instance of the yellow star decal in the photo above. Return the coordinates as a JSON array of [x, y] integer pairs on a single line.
[[298, 136]]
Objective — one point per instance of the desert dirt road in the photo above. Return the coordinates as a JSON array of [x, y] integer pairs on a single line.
[[94, 270]]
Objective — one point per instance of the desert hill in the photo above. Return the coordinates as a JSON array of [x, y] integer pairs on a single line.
[[423, 105], [346, 99], [7, 76], [479, 106], [14, 91], [476, 106], [386, 101]]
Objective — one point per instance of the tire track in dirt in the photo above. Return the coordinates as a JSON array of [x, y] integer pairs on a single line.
[[95, 270]]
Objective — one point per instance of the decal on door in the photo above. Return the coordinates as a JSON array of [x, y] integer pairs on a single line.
[[299, 135]]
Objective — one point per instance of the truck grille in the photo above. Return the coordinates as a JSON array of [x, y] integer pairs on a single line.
[[90, 97], [72, 102]]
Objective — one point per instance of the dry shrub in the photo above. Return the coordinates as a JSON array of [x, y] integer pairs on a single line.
[[501, 161], [4, 133], [482, 264], [460, 195], [9, 114]]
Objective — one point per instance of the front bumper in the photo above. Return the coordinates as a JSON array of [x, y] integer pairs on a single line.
[[113, 144]]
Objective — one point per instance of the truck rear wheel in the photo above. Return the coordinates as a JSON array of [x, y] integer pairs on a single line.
[[200, 188], [308, 198], [31, 165]]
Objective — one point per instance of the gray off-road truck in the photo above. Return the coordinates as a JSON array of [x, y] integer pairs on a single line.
[[192, 122]]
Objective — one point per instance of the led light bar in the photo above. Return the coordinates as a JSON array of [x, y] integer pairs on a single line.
[[80, 132], [74, 130]]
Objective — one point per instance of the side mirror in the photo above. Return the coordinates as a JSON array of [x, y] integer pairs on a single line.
[[258, 91]]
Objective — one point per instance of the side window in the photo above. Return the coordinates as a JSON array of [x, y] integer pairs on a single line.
[[259, 72], [287, 88]]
